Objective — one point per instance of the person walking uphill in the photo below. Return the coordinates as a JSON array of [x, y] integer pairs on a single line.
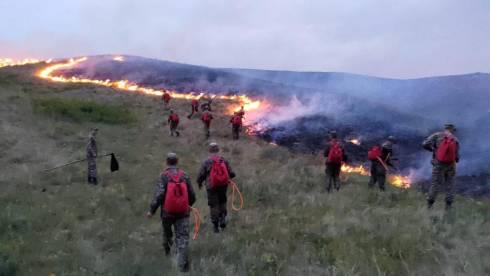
[[91, 157], [206, 119], [381, 158], [216, 173], [194, 107], [335, 155], [173, 121], [444, 146], [174, 195], [236, 125], [166, 99]]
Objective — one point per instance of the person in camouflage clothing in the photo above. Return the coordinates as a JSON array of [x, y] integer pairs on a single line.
[[91, 157], [442, 173], [180, 222], [378, 170], [217, 195]]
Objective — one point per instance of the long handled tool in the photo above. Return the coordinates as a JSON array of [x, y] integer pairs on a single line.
[[197, 222], [114, 163]]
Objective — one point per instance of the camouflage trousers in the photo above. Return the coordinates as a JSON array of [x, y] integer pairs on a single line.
[[181, 227], [333, 172], [173, 129], [236, 132], [207, 132], [217, 205], [378, 175], [92, 170], [442, 179]]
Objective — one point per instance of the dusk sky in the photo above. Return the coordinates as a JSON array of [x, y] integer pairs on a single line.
[[401, 39]]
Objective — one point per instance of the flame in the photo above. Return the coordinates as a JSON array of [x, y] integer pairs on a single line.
[[396, 180], [49, 74], [118, 58], [355, 141], [4, 62]]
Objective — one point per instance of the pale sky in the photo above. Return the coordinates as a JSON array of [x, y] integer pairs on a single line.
[[401, 39]]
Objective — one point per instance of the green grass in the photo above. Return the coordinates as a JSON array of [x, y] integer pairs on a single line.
[[56, 223], [84, 111]]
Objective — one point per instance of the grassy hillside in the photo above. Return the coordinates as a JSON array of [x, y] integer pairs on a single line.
[[56, 223]]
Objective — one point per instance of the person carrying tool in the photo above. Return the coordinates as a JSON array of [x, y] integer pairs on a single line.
[[207, 104], [206, 119], [236, 125], [335, 155], [194, 107], [444, 146], [92, 157], [173, 121], [216, 172], [174, 195], [381, 158]]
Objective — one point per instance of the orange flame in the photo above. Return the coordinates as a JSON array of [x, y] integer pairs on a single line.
[[48, 73], [399, 181], [4, 62], [355, 141]]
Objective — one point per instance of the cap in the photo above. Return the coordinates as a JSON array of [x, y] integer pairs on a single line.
[[213, 147], [450, 127]]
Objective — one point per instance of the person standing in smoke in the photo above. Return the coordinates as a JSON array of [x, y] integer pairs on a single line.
[[236, 125], [335, 155], [444, 146], [166, 99], [91, 157], [381, 158]]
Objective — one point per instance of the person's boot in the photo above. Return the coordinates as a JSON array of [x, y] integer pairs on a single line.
[[215, 227], [448, 205], [166, 247], [222, 222], [430, 203], [94, 180], [178, 133], [185, 268]]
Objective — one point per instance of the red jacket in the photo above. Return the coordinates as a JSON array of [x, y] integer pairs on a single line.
[[166, 97]]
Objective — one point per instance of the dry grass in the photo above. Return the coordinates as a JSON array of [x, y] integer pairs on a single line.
[[56, 223]]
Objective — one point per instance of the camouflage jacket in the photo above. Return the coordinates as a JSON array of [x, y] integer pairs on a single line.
[[432, 142], [203, 175], [327, 150], [91, 148], [160, 192]]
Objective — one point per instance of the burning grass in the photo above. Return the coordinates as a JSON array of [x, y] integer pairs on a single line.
[[56, 223], [84, 111]]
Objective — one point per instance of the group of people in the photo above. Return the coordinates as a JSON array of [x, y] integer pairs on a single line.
[[444, 146], [173, 120], [174, 195]]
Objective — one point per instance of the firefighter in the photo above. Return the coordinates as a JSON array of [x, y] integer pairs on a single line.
[[335, 155], [194, 107], [241, 113], [236, 125], [216, 173], [444, 146], [381, 158], [173, 121], [206, 119], [172, 211], [166, 99], [91, 150], [207, 104]]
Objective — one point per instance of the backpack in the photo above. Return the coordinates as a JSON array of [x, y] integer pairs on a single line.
[[206, 117], [446, 151], [335, 155], [374, 153], [236, 120], [218, 176], [174, 118], [176, 196], [195, 103], [166, 97]]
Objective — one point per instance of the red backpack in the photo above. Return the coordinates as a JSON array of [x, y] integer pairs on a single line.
[[446, 151], [206, 117], [174, 117], [374, 153], [176, 196], [236, 120], [166, 97], [335, 155], [218, 176], [195, 103]]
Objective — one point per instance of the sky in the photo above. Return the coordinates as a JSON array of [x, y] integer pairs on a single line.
[[388, 38]]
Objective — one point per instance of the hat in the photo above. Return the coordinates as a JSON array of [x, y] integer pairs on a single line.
[[213, 147], [171, 155], [450, 127], [392, 138], [333, 133]]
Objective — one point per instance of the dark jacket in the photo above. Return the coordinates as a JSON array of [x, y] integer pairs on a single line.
[[160, 193], [203, 175], [432, 142], [387, 153], [329, 145]]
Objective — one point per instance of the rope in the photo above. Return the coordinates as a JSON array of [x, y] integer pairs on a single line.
[[197, 222], [235, 190]]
